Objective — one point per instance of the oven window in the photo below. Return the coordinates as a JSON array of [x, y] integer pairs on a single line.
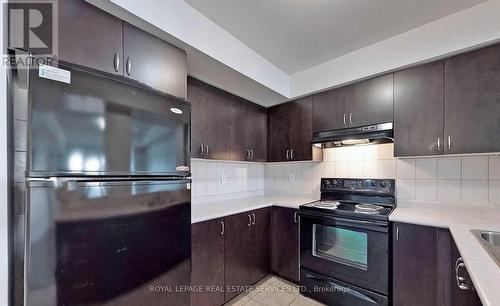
[[341, 245]]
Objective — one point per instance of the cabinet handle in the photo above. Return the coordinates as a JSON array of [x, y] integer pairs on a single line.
[[249, 220], [397, 233], [449, 142], [253, 222], [350, 118], [252, 154], [222, 228], [116, 62], [295, 217], [248, 154], [439, 143], [206, 151], [460, 279], [345, 119], [201, 150], [129, 66], [287, 154], [291, 154]]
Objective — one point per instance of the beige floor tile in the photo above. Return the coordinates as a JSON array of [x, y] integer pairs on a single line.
[[252, 303], [304, 301], [261, 286], [274, 296], [287, 286], [238, 301]]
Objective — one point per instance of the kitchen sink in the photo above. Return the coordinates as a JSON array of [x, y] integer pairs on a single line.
[[491, 242]]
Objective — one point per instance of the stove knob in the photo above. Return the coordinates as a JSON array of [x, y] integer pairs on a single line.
[[327, 183], [384, 184], [373, 184]]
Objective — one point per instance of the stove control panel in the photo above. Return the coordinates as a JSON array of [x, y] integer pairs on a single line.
[[380, 185]]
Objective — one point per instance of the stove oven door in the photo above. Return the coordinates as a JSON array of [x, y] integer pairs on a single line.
[[353, 251]]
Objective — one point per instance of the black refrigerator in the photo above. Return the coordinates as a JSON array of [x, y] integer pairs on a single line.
[[108, 190]]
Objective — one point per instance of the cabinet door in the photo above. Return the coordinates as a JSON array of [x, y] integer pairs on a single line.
[[207, 262], [418, 110], [89, 37], [238, 254], [371, 101], [261, 235], [258, 132], [154, 62], [278, 140], [330, 110], [414, 265], [301, 129], [241, 125], [217, 132], [285, 243], [197, 96], [472, 101]]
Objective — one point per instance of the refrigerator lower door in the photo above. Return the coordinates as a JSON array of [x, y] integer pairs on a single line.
[[108, 243]]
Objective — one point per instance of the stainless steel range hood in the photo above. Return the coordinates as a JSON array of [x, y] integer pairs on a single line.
[[371, 134]]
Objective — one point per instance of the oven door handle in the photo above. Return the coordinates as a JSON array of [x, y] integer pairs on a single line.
[[376, 225], [344, 289]]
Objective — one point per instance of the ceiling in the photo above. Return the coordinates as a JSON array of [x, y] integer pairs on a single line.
[[295, 35]]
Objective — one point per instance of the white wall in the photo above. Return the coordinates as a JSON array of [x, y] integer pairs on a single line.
[[3, 178], [468, 28]]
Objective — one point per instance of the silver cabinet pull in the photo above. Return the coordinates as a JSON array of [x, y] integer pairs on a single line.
[[129, 66], [350, 118], [248, 154], [345, 119], [439, 143], [291, 154], [249, 220], [253, 222], [116, 62], [461, 280], [449, 142], [397, 233], [295, 217], [201, 150], [206, 151], [287, 154], [252, 155], [222, 227]]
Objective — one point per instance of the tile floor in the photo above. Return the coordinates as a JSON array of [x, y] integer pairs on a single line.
[[273, 291]]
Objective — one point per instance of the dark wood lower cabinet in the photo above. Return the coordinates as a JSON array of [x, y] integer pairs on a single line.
[[261, 234], [207, 262], [285, 243], [424, 268]]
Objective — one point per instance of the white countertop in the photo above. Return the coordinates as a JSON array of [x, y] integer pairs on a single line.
[[483, 270], [211, 210]]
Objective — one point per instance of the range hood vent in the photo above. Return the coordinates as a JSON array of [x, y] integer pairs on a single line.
[[364, 135]]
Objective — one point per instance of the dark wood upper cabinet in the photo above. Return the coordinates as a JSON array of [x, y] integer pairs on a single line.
[[154, 62], [196, 95], [217, 131], [472, 102], [261, 237], [371, 101], [330, 110], [290, 131], [238, 253], [285, 251], [207, 262], [248, 130], [418, 110], [89, 36], [301, 129], [278, 129]]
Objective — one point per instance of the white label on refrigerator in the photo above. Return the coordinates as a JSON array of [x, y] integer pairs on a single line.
[[53, 73]]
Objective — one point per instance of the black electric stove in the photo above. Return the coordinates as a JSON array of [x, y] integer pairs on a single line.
[[368, 199], [345, 242]]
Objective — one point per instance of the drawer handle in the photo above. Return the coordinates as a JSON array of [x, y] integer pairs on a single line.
[[222, 228]]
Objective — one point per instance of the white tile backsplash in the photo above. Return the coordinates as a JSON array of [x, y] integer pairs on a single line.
[[466, 180]]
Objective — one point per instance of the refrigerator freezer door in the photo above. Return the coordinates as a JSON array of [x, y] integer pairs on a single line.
[[96, 125], [108, 243]]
